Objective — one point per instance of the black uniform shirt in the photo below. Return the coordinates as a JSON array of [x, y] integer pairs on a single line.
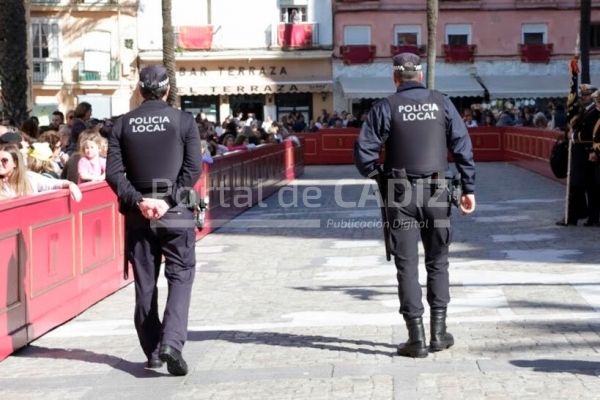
[[154, 147], [376, 130]]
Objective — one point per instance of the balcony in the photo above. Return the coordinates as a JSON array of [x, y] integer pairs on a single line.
[[301, 35], [536, 53], [47, 72], [99, 77], [418, 50], [194, 37], [459, 53], [357, 53]]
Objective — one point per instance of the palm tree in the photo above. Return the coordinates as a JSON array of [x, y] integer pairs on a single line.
[[432, 18], [584, 35], [169, 50], [13, 59]]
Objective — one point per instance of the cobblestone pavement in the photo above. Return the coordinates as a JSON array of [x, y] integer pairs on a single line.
[[294, 300]]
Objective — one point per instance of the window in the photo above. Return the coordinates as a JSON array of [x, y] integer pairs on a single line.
[[595, 35], [293, 11], [357, 34], [44, 36], [293, 15], [47, 66], [534, 33], [407, 35], [458, 34]]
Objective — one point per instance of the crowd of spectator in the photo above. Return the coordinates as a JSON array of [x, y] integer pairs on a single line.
[[549, 116], [66, 152], [72, 149]]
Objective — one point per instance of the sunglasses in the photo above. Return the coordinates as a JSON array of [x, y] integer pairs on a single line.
[[4, 161]]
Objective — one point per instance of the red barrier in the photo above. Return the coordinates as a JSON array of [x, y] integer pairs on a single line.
[[329, 146], [58, 257], [528, 147], [237, 181]]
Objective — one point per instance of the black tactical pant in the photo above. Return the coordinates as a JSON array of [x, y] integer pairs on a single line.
[[422, 210], [579, 191], [173, 237]]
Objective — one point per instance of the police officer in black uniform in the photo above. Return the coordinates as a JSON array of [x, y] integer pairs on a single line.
[[417, 126], [154, 159]]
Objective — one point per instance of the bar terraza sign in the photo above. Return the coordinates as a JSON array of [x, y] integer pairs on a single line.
[[235, 71], [226, 80]]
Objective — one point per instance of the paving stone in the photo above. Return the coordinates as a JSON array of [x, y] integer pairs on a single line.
[[281, 310]]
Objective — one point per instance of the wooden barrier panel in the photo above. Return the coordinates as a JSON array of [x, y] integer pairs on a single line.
[[58, 257], [530, 148], [329, 146], [527, 147], [336, 146]]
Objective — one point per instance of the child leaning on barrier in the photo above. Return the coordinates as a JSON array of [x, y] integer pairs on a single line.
[[91, 166]]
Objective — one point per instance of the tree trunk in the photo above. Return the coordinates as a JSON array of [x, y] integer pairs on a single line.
[[584, 36], [13, 59], [169, 51], [432, 19]]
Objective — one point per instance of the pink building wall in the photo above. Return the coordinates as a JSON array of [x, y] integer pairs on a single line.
[[495, 24]]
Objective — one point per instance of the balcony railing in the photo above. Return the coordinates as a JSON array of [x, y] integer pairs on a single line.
[[419, 50], [194, 37], [298, 35], [536, 53], [96, 2], [358, 53], [459, 53], [47, 71], [93, 76], [84, 3]]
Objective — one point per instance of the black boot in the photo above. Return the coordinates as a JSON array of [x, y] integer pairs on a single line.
[[416, 346], [440, 339]]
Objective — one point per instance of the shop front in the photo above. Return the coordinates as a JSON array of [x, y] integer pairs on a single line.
[[265, 88]]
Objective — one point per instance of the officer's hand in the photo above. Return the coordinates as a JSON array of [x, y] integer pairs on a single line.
[[147, 208], [593, 157], [161, 208], [467, 203]]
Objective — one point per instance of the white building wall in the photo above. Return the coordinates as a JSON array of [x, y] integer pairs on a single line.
[[243, 24], [238, 24], [321, 12], [149, 22]]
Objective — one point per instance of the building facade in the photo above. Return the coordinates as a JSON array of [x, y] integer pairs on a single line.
[[486, 49], [265, 57], [83, 50]]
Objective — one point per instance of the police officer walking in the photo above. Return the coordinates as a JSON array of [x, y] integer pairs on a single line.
[[154, 159], [417, 126]]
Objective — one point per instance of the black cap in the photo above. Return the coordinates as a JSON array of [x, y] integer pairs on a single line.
[[11, 138], [407, 62], [154, 77]]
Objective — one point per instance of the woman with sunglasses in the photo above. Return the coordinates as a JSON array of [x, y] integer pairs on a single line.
[[16, 180]]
